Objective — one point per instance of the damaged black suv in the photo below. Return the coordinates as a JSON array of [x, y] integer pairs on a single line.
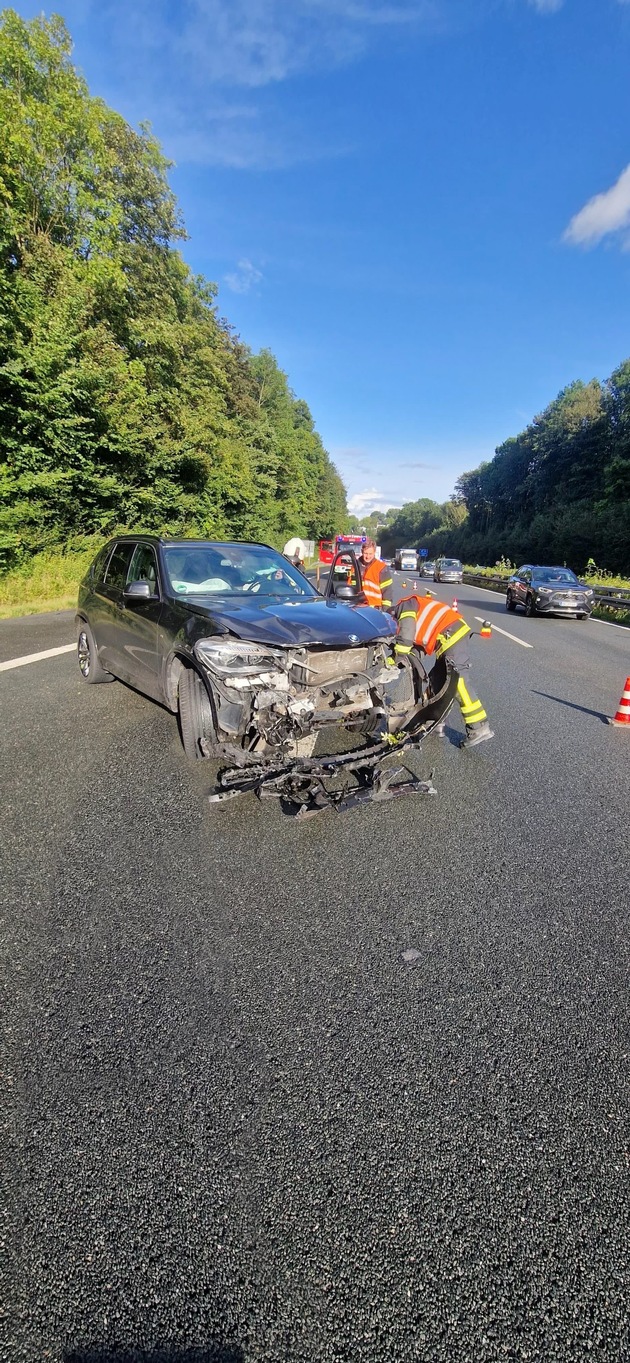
[[242, 646]]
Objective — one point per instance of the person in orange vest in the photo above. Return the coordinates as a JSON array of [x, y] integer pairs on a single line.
[[435, 628], [376, 578]]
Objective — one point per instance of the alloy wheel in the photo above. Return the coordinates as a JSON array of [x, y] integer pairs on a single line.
[[83, 649]]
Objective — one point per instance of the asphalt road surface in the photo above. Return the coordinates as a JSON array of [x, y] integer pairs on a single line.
[[239, 1127]]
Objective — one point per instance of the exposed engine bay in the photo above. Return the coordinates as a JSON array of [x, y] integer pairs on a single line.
[[287, 719]]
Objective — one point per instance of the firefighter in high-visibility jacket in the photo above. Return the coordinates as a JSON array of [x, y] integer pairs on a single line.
[[437, 629], [376, 578]]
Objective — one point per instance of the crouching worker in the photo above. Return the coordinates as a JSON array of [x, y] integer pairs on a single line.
[[438, 630]]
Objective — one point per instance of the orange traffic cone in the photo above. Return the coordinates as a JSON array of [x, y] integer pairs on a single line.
[[623, 711], [455, 606], [486, 630]]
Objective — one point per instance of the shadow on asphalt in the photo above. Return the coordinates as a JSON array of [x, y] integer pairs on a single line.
[[571, 706], [167, 1353]]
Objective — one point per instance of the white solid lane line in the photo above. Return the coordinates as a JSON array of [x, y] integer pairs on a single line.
[[522, 643], [35, 657]]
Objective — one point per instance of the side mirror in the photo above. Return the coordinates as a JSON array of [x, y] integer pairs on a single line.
[[347, 591], [139, 591]]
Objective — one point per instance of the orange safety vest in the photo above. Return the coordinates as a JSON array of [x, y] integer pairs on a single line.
[[432, 618], [370, 575]]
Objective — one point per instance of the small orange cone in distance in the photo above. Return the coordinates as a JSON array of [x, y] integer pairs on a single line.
[[486, 630], [455, 606], [623, 710]]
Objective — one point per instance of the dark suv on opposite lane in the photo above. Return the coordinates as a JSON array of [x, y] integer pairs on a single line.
[[548, 591]]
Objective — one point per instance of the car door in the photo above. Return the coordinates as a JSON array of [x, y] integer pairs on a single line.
[[105, 610], [344, 578], [137, 625], [522, 585]]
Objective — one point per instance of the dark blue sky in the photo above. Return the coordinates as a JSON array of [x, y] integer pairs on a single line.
[[389, 194]]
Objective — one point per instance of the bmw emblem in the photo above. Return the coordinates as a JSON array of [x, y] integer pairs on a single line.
[[354, 638]]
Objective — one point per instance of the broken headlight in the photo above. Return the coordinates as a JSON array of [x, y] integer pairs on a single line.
[[229, 657]]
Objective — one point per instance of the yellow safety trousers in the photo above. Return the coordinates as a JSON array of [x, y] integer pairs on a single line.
[[472, 710]]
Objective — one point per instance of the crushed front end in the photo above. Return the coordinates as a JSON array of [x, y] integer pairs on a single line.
[[291, 721]]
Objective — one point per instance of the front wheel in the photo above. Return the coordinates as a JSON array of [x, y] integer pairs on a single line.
[[89, 666], [510, 603], [196, 720], [530, 606]]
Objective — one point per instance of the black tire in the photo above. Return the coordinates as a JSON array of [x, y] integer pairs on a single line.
[[196, 720], [581, 617], [530, 606], [510, 603], [87, 655]]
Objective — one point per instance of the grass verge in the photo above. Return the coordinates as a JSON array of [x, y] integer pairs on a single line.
[[48, 582], [614, 615]]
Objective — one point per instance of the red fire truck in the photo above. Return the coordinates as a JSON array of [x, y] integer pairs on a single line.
[[328, 548]]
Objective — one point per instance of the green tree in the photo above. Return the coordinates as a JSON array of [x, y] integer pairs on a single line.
[[124, 399]]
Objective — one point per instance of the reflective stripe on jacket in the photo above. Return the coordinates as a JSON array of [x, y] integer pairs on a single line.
[[377, 581], [421, 620]]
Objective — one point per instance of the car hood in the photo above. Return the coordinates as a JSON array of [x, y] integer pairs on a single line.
[[296, 622], [556, 587]]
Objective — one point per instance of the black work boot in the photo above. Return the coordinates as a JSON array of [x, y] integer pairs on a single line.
[[476, 733]]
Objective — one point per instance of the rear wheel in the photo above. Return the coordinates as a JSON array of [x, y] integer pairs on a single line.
[[510, 603], [87, 656], [530, 605], [196, 720]]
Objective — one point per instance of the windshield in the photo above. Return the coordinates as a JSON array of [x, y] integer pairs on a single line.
[[451, 563], [200, 569], [555, 575]]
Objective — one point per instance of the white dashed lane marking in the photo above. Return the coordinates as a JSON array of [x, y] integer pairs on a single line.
[[35, 657], [513, 637]]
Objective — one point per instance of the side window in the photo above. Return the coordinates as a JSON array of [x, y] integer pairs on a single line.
[[143, 566], [96, 571], [116, 570]]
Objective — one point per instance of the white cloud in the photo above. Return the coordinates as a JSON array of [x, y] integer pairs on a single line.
[[254, 43], [188, 74], [547, 6], [238, 138], [372, 500], [603, 214], [244, 278], [186, 67]]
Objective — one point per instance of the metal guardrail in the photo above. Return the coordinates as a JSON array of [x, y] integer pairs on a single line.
[[603, 596]]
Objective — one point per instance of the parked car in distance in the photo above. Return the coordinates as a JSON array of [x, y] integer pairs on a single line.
[[235, 640], [406, 560], [448, 570], [426, 567], [548, 591]]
